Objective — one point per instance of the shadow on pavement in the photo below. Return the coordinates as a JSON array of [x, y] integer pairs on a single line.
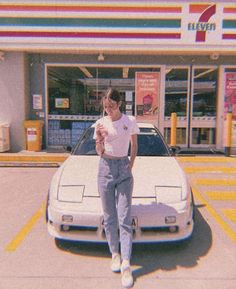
[[152, 257], [170, 256]]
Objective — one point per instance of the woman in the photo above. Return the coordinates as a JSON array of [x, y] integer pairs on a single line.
[[114, 133]]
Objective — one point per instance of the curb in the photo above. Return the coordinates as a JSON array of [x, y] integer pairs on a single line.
[[32, 160], [28, 164]]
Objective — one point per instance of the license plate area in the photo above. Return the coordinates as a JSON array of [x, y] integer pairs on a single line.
[[134, 223]]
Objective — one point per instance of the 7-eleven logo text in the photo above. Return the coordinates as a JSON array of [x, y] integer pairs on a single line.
[[202, 25]]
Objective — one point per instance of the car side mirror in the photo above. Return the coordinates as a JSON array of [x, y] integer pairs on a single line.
[[175, 150], [68, 148]]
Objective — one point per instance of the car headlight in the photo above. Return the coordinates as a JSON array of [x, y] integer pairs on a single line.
[[168, 195], [72, 194]]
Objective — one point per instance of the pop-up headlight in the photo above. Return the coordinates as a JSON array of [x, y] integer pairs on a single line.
[[168, 195], [72, 194]]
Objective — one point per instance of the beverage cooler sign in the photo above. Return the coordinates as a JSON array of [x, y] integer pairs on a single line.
[[62, 103], [147, 94]]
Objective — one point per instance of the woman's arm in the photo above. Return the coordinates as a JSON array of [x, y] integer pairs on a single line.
[[100, 147], [133, 149], [99, 140]]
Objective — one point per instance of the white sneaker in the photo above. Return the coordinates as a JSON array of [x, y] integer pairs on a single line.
[[115, 263], [126, 277]]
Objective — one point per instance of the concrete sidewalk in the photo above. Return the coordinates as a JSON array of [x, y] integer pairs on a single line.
[[47, 158]]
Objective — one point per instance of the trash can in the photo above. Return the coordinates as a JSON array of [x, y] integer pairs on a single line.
[[33, 134], [4, 137]]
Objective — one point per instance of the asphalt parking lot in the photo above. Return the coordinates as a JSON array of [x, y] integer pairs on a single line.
[[31, 259]]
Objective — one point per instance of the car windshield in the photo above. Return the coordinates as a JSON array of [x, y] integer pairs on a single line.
[[150, 143]]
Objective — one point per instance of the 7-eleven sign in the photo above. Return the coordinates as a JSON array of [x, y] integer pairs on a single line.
[[203, 21]]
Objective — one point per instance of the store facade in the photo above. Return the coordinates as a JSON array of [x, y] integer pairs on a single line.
[[163, 57]]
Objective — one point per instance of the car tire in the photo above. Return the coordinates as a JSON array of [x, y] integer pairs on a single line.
[[193, 206], [46, 211]]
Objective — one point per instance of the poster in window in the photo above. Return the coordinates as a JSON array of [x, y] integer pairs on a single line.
[[37, 101], [230, 102], [62, 103], [147, 95]]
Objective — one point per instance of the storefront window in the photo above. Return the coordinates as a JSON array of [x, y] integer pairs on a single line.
[[74, 97], [204, 136], [176, 91], [180, 135], [204, 92]]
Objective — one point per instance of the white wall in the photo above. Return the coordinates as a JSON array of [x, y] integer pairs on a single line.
[[13, 96]]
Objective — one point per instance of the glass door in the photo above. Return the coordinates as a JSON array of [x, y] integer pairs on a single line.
[[177, 91], [203, 99], [191, 92]]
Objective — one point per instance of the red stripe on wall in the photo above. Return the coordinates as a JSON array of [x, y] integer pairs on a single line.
[[229, 10], [198, 8], [160, 9], [231, 36], [90, 34]]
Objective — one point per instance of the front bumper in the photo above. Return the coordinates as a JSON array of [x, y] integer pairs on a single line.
[[149, 222]]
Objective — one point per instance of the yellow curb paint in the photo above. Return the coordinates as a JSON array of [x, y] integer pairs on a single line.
[[226, 228], [230, 214], [209, 169], [216, 182], [222, 196], [20, 236], [18, 158]]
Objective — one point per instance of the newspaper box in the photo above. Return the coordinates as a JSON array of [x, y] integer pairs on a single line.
[[4, 137], [33, 133]]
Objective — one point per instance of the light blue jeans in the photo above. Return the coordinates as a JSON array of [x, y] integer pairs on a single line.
[[115, 185]]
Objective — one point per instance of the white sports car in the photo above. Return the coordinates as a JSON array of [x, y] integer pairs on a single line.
[[162, 203]]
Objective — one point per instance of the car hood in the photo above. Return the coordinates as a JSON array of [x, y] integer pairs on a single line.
[[148, 172]]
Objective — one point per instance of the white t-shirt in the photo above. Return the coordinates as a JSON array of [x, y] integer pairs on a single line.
[[117, 134]]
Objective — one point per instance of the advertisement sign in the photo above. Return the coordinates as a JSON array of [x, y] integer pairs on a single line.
[[147, 95], [37, 101], [62, 103], [230, 101]]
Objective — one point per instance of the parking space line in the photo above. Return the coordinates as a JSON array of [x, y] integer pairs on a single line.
[[206, 159], [216, 182], [221, 196], [230, 214], [21, 235], [227, 229], [209, 170]]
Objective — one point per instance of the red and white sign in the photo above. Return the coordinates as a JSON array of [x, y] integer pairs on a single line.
[[230, 101], [31, 134], [147, 89], [230, 93]]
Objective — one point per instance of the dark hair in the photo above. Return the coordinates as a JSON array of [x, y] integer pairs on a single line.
[[112, 94]]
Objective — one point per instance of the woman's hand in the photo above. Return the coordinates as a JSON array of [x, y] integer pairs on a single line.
[[100, 132], [130, 165], [133, 150]]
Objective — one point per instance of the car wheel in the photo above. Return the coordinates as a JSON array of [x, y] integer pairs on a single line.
[[193, 207], [46, 211]]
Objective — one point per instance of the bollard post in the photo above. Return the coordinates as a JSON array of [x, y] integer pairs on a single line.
[[173, 129], [228, 134]]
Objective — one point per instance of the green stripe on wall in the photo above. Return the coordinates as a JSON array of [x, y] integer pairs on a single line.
[[228, 24], [73, 22]]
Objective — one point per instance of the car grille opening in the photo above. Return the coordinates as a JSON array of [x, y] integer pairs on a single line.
[[66, 228], [166, 229]]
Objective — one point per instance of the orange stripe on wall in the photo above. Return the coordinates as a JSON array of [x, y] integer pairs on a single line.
[[77, 8], [229, 10], [198, 8]]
